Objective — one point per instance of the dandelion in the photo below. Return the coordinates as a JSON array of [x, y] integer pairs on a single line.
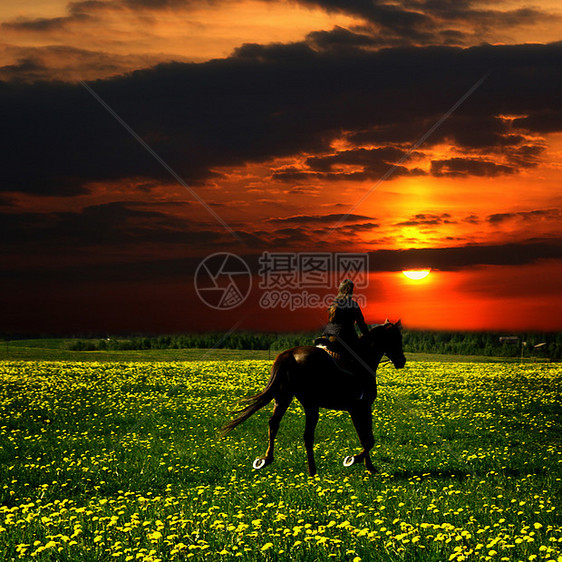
[[498, 513]]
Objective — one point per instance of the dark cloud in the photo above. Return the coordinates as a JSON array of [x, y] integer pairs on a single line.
[[89, 10], [534, 216], [450, 259], [77, 12], [472, 219], [407, 22], [370, 163], [57, 62], [491, 135], [135, 232], [294, 174], [487, 131], [24, 66], [296, 237], [304, 189], [291, 173], [548, 120], [363, 227], [110, 225], [132, 227], [423, 219], [339, 39], [314, 219], [468, 167], [183, 268], [390, 20], [539, 214], [431, 21], [360, 157], [525, 155], [38, 24], [273, 101]]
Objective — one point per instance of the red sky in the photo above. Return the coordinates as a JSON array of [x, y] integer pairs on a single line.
[[307, 126]]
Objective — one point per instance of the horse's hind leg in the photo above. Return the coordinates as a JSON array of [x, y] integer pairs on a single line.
[[281, 405], [362, 420], [312, 415]]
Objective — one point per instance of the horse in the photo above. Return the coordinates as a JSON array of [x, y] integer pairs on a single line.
[[311, 375]]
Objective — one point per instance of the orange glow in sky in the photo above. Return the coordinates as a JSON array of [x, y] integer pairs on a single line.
[[294, 127]]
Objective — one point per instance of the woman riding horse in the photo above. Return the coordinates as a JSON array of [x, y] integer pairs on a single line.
[[344, 313], [310, 375]]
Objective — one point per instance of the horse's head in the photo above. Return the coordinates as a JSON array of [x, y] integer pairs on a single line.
[[386, 339]]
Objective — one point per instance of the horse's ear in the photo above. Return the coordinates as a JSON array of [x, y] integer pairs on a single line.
[[387, 321], [399, 324]]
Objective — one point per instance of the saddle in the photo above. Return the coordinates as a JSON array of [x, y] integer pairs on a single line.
[[337, 352], [347, 366]]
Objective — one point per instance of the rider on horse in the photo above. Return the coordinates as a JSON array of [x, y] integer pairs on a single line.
[[344, 313]]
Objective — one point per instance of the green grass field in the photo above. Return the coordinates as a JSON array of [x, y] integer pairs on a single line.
[[120, 461], [58, 349]]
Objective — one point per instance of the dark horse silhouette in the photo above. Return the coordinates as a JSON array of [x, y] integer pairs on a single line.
[[311, 375]]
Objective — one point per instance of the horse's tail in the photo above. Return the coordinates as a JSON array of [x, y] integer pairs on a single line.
[[258, 401]]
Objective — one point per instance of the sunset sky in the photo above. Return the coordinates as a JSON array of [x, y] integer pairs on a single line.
[[142, 136]]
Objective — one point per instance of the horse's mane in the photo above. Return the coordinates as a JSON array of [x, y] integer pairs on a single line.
[[376, 330]]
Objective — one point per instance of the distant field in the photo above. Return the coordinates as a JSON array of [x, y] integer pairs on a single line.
[[58, 350], [36, 352], [120, 461]]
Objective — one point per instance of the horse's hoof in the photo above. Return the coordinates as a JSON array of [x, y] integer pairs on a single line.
[[348, 461], [258, 463]]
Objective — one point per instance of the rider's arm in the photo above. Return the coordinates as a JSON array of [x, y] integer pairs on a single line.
[[361, 320]]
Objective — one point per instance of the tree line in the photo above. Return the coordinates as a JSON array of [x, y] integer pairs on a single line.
[[414, 341]]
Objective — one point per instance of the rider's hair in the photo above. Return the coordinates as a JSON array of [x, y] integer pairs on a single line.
[[345, 291]]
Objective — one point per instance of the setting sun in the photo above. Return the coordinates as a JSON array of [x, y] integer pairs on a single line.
[[416, 274]]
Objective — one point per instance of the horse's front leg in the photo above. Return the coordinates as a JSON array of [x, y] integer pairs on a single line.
[[281, 405], [362, 420], [312, 414]]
